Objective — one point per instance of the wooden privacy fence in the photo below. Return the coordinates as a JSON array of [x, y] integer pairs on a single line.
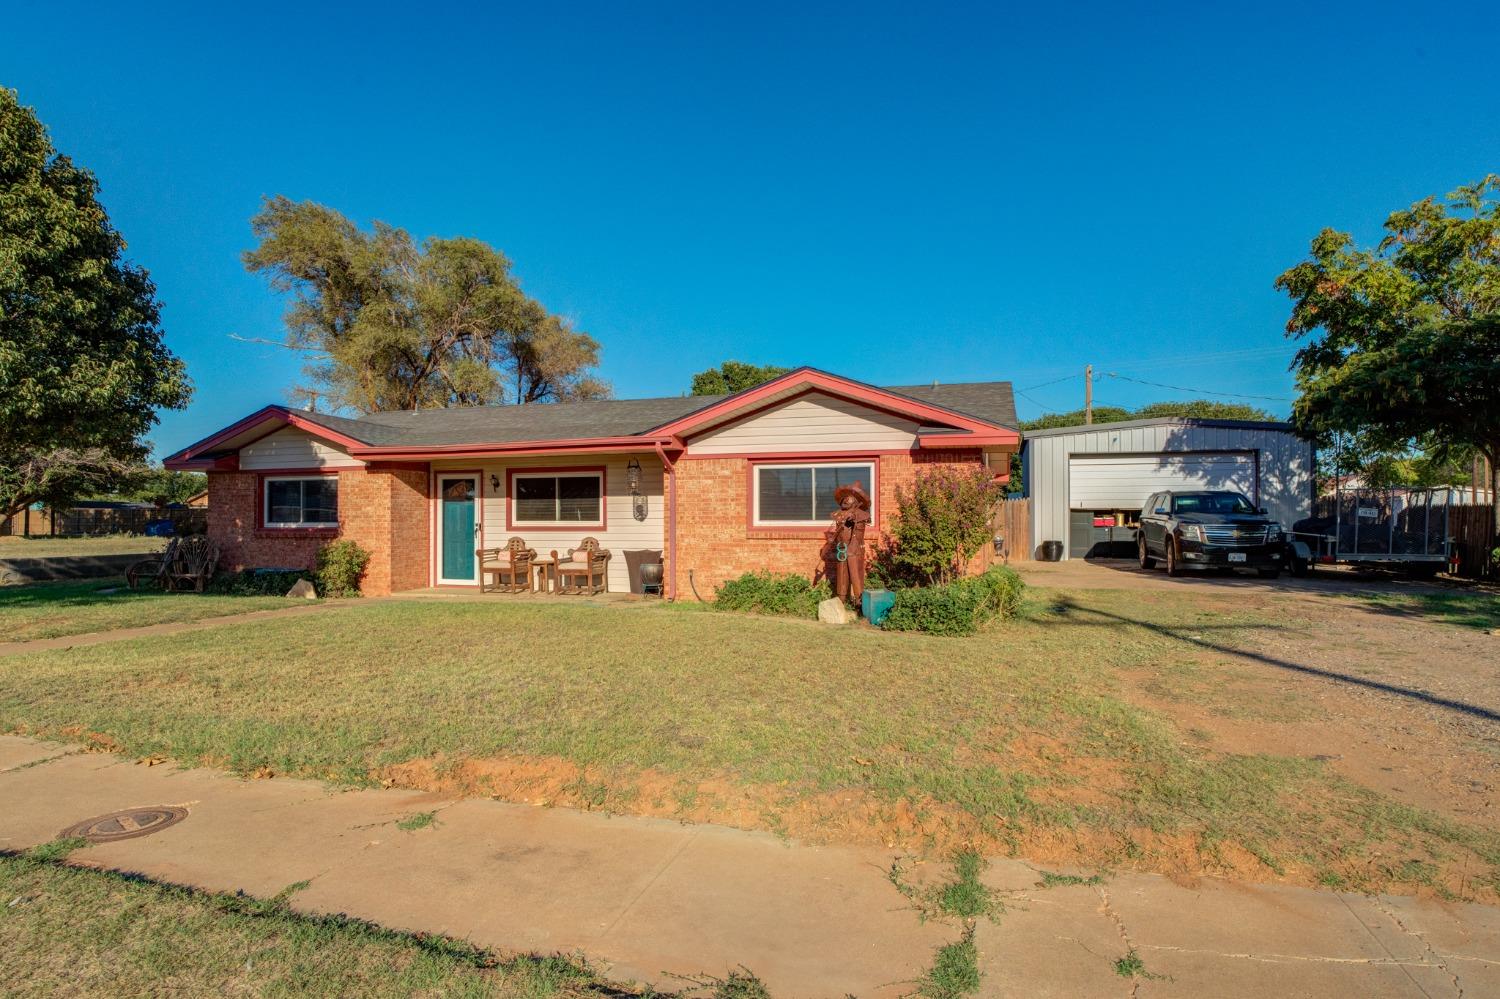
[[1472, 529], [1013, 525], [128, 520]]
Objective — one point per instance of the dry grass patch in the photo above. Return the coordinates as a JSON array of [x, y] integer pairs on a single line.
[[77, 607], [1021, 739]]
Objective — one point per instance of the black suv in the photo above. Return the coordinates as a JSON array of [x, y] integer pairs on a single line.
[[1220, 530]]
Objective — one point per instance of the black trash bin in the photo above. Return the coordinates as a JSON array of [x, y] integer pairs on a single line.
[[1050, 551]]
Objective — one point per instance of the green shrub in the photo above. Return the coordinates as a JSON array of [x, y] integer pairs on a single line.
[[257, 582], [340, 564], [958, 608], [773, 593], [941, 522]]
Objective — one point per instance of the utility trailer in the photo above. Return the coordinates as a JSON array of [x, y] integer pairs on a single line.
[[1401, 529]]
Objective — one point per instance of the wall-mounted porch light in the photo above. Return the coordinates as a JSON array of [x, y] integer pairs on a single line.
[[633, 475], [495, 482]]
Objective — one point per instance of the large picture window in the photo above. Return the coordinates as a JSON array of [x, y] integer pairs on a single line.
[[302, 502], [557, 499], [802, 495]]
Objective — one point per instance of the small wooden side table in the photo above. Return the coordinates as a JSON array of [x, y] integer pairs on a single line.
[[546, 574]]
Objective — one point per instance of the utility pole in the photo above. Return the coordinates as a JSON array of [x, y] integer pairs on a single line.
[[1088, 394]]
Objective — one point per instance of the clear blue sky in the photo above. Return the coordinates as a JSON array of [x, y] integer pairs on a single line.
[[900, 193]]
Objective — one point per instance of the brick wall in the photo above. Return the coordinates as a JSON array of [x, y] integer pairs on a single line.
[[716, 543], [384, 510]]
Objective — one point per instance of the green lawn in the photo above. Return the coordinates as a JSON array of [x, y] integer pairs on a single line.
[[52, 610], [1470, 609], [1021, 737], [111, 544], [71, 931]]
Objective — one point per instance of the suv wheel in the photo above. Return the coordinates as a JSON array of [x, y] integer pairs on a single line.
[[1147, 562], [1174, 558]]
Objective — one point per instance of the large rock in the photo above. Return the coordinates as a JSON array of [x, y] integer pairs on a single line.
[[303, 588], [833, 611]]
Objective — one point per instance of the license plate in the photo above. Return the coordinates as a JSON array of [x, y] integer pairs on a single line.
[[1236, 556]]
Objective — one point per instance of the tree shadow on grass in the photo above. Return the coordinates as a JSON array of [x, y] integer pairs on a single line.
[[1076, 616]]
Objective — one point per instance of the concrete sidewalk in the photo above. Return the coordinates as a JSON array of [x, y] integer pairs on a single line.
[[645, 899]]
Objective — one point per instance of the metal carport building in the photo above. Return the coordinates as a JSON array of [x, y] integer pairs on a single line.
[[1087, 483]]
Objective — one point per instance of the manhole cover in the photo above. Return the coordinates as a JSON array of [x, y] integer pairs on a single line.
[[128, 823]]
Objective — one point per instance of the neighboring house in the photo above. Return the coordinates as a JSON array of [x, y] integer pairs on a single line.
[[722, 484], [1087, 483], [197, 500]]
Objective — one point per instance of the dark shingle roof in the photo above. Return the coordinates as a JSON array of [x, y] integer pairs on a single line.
[[990, 401]]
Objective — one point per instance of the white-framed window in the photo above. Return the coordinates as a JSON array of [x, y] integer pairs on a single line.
[[801, 495], [557, 499], [301, 501]]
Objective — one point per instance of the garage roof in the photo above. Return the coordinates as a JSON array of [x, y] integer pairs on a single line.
[[1159, 421]]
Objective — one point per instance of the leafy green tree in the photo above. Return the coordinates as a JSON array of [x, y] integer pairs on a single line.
[[83, 369], [1205, 409], [1402, 342], [1102, 414], [157, 485], [941, 522], [734, 376], [388, 323]]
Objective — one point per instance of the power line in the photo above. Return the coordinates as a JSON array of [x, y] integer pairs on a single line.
[[1038, 405], [1032, 388], [1183, 388]]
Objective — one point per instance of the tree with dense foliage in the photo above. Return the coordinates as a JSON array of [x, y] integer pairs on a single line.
[[83, 369], [734, 376], [392, 324], [1402, 342], [942, 521], [159, 486]]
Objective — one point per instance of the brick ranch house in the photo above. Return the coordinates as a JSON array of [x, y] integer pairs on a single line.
[[712, 486]]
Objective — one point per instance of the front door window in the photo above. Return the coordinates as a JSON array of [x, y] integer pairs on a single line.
[[458, 534]]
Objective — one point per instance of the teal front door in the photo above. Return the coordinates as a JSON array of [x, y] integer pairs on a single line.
[[458, 537]]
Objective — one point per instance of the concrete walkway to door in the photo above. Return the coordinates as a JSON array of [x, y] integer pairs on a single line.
[[645, 899]]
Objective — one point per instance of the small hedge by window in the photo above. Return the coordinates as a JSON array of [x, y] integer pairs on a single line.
[[257, 582], [340, 566], [773, 593], [958, 608]]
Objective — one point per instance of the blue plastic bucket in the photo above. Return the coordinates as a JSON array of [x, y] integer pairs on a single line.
[[876, 604]]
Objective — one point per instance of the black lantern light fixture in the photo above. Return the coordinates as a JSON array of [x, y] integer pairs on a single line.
[[633, 480], [495, 482]]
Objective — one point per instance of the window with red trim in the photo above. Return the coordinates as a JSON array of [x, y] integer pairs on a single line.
[[301, 501], [801, 495]]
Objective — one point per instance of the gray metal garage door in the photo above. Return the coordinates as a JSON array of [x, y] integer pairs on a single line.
[[1123, 481]]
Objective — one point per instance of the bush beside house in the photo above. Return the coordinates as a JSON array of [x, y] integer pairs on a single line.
[[341, 565], [783, 593], [957, 608]]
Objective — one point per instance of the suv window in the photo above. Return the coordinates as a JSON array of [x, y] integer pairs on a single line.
[[1213, 503], [1150, 506]]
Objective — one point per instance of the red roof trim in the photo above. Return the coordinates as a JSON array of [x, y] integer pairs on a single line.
[[189, 457], [517, 448], [812, 379]]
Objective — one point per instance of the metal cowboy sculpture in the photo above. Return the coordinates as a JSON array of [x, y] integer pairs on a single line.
[[844, 547]]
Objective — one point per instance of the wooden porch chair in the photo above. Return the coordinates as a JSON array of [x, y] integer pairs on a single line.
[[153, 570], [193, 564], [585, 570], [510, 566]]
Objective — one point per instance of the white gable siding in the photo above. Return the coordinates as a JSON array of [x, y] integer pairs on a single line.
[[293, 448], [814, 422], [622, 531]]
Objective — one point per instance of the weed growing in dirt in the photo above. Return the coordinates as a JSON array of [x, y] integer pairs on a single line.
[[954, 972], [417, 820]]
